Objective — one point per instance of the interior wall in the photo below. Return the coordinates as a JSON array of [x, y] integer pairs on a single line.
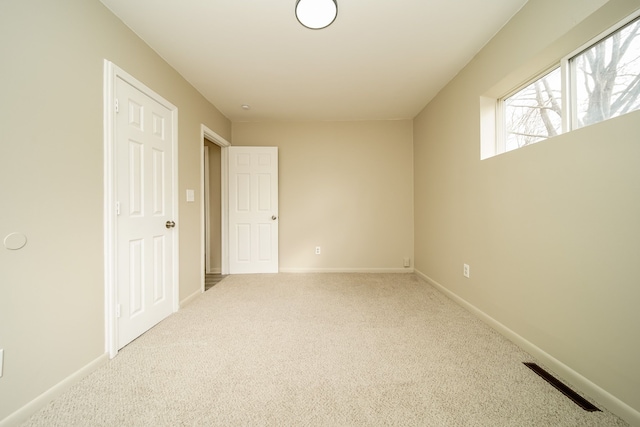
[[215, 254], [550, 231], [344, 186], [51, 170]]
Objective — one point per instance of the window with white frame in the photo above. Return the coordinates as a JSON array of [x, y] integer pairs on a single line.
[[606, 77], [599, 82], [534, 112]]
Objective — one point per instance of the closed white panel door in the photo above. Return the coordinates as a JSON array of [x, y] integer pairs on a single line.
[[145, 212], [253, 210]]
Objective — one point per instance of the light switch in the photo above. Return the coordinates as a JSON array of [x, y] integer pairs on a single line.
[[191, 196]]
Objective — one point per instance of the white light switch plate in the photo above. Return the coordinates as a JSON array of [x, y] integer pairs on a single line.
[[191, 196]]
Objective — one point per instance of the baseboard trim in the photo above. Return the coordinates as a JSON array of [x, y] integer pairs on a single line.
[[188, 300], [23, 414], [602, 396], [346, 270]]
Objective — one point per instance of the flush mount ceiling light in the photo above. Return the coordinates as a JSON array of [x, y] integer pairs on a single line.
[[316, 14]]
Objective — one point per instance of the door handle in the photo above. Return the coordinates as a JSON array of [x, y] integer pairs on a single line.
[[273, 217], [170, 224]]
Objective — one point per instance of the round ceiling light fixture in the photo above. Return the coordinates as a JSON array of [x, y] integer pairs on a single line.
[[316, 14]]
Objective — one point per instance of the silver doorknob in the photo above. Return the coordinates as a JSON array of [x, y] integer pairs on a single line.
[[273, 217], [170, 224]]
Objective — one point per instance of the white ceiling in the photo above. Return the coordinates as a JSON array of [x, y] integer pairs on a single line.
[[379, 60]]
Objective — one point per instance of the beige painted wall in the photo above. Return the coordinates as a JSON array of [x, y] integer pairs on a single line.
[[552, 231], [51, 175], [344, 186], [215, 254]]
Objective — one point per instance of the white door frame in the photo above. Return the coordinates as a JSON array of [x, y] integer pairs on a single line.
[[206, 133], [111, 73]]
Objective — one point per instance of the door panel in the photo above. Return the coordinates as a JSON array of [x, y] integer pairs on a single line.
[[253, 210], [145, 246], [159, 190], [136, 271], [159, 272]]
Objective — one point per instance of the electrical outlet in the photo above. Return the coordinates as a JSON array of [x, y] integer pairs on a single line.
[[465, 270], [317, 250], [407, 262]]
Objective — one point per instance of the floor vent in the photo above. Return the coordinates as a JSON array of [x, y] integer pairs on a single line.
[[564, 389]]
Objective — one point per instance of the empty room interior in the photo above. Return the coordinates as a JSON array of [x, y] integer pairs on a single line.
[[392, 160]]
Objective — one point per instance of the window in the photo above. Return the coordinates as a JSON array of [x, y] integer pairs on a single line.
[[602, 81], [607, 77], [535, 112]]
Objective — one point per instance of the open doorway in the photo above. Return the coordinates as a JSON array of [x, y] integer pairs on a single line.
[[212, 209], [214, 194]]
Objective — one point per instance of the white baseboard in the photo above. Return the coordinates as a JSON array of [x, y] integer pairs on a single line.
[[596, 392], [188, 299], [22, 414], [346, 270]]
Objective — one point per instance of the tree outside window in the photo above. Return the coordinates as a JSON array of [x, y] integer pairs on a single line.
[[535, 112], [608, 77]]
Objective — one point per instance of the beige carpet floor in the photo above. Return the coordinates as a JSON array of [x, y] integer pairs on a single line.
[[318, 350]]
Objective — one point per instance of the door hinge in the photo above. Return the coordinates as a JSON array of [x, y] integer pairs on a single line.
[[117, 311], [116, 106], [117, 208]]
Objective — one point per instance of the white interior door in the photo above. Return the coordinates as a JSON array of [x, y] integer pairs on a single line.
[[253, 210], [144, 152]]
